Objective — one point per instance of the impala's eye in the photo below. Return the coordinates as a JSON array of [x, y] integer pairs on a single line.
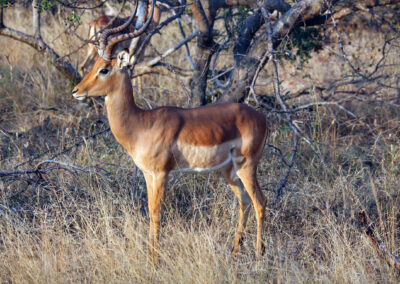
[[103, 71]]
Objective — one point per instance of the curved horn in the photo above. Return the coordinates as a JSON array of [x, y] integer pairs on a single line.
[[119, 38], [106, 33]]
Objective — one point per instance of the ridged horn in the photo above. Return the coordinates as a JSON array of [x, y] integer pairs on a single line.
[[119, 38], [103, 40]]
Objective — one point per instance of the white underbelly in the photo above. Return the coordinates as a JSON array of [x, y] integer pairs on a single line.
[[204, 170], [190, 158]]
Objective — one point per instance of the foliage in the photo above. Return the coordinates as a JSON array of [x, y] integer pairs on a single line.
[[47, 5], [242, 13], [72, 19], [4, 3], [302, 41]]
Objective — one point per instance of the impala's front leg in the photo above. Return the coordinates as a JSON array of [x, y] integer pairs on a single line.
[[149, 186], [155, 195]]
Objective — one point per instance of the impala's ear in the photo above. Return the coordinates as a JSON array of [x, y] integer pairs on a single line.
[[123, 58]]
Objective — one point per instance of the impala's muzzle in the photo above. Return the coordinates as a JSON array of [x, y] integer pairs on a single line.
[[78, 96]]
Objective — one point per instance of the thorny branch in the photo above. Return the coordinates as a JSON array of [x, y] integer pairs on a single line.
[[59, 153], [40, 45], [366, 77], [287, 113], [157, 59], [270, 55], [40, 172], [178, 21], [284, 179], [391, 259], [278, 96], [160, 26]]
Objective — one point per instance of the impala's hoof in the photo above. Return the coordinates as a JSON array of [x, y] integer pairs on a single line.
[[261, 253], [263, 249], [237, 246]]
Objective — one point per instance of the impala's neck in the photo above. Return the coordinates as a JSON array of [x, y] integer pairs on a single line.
[[122, 110]]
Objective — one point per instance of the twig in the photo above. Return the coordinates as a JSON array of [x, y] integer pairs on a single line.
[[76, 144], [342, 48], [346, 59], [286, 176], [178, 21], [157, 59], [65, 165], [214, 74], [253, 82], [278, 96], [160, 26], [383, 252], [18, 172]]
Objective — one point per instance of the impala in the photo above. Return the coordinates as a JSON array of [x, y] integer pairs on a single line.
[[228, 137], [105, 21]]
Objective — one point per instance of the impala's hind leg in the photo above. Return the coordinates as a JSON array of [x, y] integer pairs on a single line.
[[248, 175], [232, 179]]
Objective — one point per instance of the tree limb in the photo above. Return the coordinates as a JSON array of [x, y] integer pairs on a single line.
[[62, 66], [244, 70], [157, 59]]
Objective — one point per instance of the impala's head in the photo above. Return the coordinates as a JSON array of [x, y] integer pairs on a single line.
[[108, 71], [104, 78]]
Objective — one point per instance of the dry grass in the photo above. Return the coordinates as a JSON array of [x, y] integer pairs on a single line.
[[92, 227]]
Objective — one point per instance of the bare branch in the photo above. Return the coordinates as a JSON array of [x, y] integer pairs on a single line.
[[379, 246], [271, 52], [17, 172], [161, 69], [59, 153], [178, 21], [244, 71], [64, 165], [36, 18], [157, 59], [284, 179], [271, 5], [37, 43], [167, 21]]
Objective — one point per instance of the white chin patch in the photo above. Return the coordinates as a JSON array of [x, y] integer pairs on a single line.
[[80, 98]]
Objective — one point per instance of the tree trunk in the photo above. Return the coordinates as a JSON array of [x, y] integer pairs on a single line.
[[204, 50]]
